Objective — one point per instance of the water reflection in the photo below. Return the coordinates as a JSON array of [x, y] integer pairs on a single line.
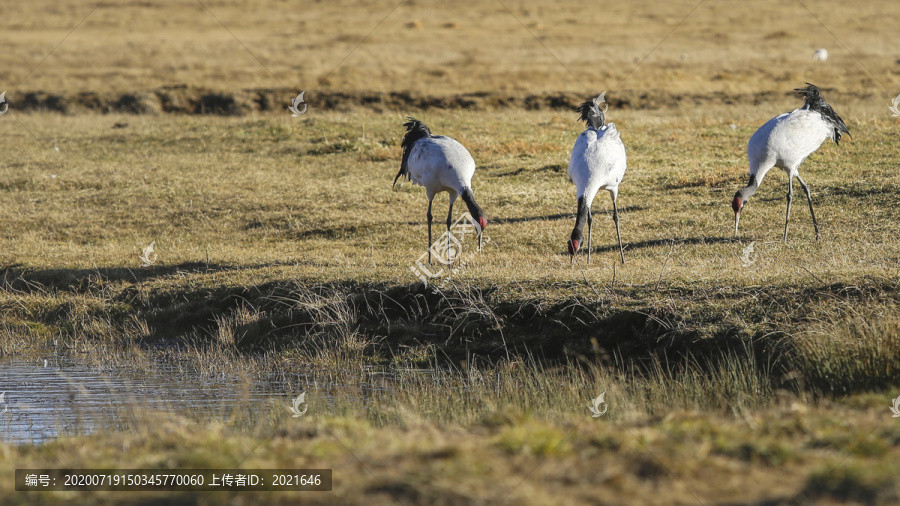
[[46, 399]]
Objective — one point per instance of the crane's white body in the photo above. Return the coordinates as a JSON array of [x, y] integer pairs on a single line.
[[785, 141], [597, 161], [441, 164]]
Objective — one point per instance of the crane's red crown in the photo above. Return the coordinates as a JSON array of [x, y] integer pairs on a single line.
[[482, 221], [573, 246], [737, 203]]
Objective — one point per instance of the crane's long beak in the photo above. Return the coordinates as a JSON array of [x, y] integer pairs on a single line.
[[737, 219]]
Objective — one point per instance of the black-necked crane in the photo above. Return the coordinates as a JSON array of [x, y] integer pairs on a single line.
[[440, 164], [784, 142], [598, 161]]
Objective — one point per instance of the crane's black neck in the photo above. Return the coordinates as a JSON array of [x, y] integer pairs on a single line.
[[415, 130], [750, 189], [474, 209], [580, 220], [591, 114]]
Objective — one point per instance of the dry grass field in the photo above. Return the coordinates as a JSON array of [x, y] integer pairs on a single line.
[[281, 249], [468, 46]]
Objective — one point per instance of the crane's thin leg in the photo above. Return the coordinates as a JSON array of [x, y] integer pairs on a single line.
[[429, 230], [619, 237], [449, 219], [787, 215], [590, 228], [809, 199]]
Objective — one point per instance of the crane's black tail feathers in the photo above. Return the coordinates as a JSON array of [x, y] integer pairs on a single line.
[[591, 113], [815, 102], [415, 130]]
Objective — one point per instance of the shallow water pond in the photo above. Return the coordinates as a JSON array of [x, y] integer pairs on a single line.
[[44, 399]]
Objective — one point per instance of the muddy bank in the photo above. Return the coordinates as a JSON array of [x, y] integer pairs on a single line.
[[185, 99], [626, 328]]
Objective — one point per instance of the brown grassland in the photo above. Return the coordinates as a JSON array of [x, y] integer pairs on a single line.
[[283, 250]]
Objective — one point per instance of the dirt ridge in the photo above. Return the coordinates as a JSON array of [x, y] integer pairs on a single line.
[[185, 99]]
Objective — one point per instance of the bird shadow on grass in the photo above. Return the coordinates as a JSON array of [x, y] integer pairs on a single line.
[[630, 246], [560, 216], [546, 217], [502, 221]]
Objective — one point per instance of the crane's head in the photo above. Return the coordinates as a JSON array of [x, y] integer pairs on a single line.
[[575, 242], [475, 211], [737, 204], [482, 224]]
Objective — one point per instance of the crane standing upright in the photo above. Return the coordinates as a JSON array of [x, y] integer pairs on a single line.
[[597, 161]]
